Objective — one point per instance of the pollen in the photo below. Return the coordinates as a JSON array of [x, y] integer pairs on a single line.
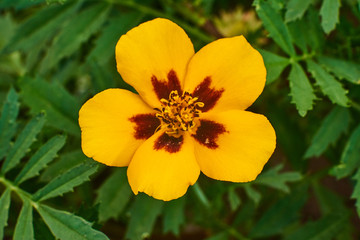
[[179, 114]]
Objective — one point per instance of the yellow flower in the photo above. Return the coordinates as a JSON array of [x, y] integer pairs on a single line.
[[190, 115]]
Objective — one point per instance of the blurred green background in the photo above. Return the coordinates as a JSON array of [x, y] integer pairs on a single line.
[[56, 54]]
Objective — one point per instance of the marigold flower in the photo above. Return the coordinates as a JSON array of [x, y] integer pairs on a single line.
[[190, 115]]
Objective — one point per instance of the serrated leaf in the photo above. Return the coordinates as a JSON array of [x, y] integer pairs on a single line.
[[118, 25], [326, 228], [65, 162], [143, 214], [336, 123], [283, 213], [174, 216], [356, 194], [8, 124], [273, 178], [342, 69], [24, 227], [275, 25], [40, 27], [234, 199], [66, 182], [113, 195], [78, 30], [295, 9], [328, 84], [252, 193], [4, 210], [274, 65], [301, 90], [298, 30], [350, 157], [41, 158], [60, 106], [23, 142], [329, 13], [66, 226]]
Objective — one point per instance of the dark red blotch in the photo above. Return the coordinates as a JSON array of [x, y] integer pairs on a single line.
[[145, 125], [169, 143], [208, 132], [209, 96], [163, 88]]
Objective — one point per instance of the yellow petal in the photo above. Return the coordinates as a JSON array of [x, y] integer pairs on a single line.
[[164, 167], [155, 53], [239, 153], [226, 74], [109, 133]]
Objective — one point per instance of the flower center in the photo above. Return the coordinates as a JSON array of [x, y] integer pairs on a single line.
[[179, 113]]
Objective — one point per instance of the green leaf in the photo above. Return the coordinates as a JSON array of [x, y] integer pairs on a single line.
[[274, 179], [40, 27], [275, 25], [336, 123], [174, 215], [105, 44], [326, 228], [8, 121], [67, 226], [329, 13], [355, 195], [60, 106], [24, 227], [328, 84], [23, 142], [143, 214], [342, 69], [350, 157], [4, 210], [41, 158], [113, 195], [295, 9], [66, 182], [77, 31], [283, 213], [274, 65], [234, 199], [100, 78], [65, 162], [252, 193], [220, 236], [301, 91], [298, 30]]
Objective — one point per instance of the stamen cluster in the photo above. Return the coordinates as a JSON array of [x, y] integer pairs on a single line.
[[179, 113]]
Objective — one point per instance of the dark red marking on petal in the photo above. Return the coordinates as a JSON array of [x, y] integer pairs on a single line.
[[163, 88], [208, 132], [169, 143], [145, 125], [209, 96]]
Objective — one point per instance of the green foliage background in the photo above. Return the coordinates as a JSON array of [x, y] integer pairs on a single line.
[[55, 54]]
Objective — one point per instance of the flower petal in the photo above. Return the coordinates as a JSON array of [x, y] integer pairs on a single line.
[[153, 58], [226, 74], [163, 170], [113, 125], [241, 151]]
